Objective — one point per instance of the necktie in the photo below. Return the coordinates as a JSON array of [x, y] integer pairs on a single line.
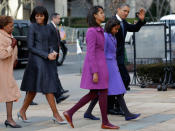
[[122, 26]]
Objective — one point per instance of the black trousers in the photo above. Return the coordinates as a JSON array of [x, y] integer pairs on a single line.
[[63, 47], [124, 74], [113, 103], [60, 90]]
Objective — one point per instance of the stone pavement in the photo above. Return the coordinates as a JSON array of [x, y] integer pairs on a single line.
[[157, 109]]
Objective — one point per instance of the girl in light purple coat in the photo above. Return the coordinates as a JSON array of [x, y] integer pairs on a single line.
[[95, 73], [116, 86]]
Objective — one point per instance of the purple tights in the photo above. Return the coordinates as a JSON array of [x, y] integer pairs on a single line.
[[102, 96]]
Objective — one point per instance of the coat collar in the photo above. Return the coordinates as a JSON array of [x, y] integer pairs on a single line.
[[5, 33], [118, 17], [53, 24], [111, 35], [99, 29]]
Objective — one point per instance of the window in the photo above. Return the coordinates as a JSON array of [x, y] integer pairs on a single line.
[[16, 30]]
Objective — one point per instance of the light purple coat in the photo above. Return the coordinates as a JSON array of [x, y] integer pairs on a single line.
[[95, 60], [116, 85]]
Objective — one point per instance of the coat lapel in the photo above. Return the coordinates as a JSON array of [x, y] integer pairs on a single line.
[[55, 30]]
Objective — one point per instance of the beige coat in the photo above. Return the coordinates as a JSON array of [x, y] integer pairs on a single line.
[[9, 90]]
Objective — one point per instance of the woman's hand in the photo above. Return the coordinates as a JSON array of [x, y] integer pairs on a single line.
[[52, 56], [15, 63], [14, 43], [95, 77]]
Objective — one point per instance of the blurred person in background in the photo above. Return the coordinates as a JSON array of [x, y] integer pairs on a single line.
[[55, 20]]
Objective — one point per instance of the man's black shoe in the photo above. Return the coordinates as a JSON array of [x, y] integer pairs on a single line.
[[65, 91], [33, 103], [61, 98], [128, 88], [119, 111], [114, 112]]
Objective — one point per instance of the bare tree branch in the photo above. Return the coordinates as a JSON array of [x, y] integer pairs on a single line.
[[3, 5], [114, 4], [19, 5], [166, 10], [161, 8], [152, 17]]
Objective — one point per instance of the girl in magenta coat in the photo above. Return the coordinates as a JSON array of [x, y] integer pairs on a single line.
[[95, 73]]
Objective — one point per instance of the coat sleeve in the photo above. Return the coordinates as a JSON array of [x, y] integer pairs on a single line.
[[135, 27], [91, 40], [31, 46], [54, 38], [5, 51]]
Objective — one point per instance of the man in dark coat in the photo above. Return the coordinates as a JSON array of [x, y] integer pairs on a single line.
[[122, 13], [55, 20]]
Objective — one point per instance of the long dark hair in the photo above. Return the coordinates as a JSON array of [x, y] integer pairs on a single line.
[[110, 24], [39, 10], [90, 16]]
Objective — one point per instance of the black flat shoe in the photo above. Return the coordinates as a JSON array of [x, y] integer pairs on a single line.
[[61, 98], [128, 88], [120, 112], [65, 91], [33, 103], [135, 116], [91, 117], [13, 126], [114, 112]]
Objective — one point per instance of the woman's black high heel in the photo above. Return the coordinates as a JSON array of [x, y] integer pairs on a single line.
[[13, 126]]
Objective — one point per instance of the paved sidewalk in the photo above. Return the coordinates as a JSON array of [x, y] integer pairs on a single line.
[[157, 109]]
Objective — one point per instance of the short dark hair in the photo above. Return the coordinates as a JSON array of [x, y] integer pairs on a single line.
[[110, 24], [39, 10], [121, 5], [90, 16], [5, 20], [53, 15]]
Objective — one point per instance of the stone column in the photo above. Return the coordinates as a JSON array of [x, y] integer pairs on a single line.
[[13, 4], [61, 7], [99, 2], [172, 4]]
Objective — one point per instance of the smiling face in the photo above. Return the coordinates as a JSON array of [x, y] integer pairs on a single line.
[[123, 12], [40, 18], [100, 16], [8, 28]]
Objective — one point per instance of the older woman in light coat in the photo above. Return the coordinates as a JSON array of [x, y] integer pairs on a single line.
[[9, 91]]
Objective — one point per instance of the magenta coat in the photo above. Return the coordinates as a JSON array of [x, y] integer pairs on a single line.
[[95, 60]]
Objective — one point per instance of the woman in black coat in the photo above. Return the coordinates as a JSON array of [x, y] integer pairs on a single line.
[[41, 72]]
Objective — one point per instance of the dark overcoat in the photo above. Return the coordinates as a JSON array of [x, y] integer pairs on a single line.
[[120, 37]]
